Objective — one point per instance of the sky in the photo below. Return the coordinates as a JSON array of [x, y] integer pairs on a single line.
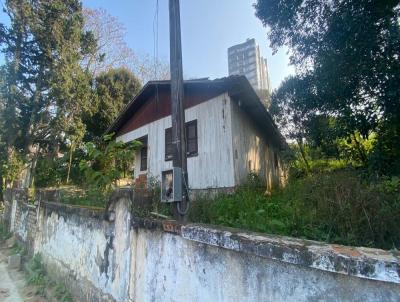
[[208, 28]]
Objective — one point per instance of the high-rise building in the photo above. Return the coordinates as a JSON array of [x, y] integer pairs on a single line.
[[245, 59]]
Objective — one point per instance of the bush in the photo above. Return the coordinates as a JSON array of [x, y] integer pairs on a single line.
[[76, 196], [335, 207], [105, 164], [36, 274]]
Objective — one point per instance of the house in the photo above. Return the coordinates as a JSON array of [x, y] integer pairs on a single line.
[[229, 134]]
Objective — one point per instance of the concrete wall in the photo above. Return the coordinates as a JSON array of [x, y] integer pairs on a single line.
[[214, 145], [111, 256]]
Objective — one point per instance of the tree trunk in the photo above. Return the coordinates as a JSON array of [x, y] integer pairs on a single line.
[[31, 168], [360, 149], [71, 151], [303, 153]]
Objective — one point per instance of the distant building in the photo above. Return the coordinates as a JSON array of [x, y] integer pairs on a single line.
[[245, 59]]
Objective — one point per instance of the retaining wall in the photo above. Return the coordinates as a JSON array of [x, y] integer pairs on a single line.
[[112, 256]]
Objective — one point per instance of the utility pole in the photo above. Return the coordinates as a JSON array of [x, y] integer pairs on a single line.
[[178, 111]]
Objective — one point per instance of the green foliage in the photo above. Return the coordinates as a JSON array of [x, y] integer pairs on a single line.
[[36, 274], [4, 232], [114, 89], [335, 206], [147, 200], [88, 198], [50, 172], [12, 167], [348, 60], [44, 88], [105, 164], [62, 294]]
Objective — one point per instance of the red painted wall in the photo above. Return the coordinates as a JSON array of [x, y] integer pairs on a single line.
[[155, 108]]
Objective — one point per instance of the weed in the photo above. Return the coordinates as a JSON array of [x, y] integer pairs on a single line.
[[36, 274], [62, 294], [336, 206], [4, 232]]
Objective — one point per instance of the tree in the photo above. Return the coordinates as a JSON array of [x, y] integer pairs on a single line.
[[107, 163], [352, 50], [114, 89], [290, 108], [46, 88], [112, 51]]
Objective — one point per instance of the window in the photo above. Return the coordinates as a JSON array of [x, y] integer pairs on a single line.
[[191, 141], [143, 159], [168, 144], [143, 153], [191, 138]]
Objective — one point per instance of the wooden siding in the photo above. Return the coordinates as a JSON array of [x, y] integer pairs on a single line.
[[159, 106], [213, 166], [252, 152]]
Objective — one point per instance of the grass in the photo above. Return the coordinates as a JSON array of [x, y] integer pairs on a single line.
[[37, 276], [4, 232], [77, 196], [336, 206]]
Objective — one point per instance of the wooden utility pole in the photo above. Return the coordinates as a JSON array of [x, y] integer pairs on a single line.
[[178, 111]]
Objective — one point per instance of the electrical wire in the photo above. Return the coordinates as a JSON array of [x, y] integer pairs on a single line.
[[186, 188], [178, 205], [155, 49]]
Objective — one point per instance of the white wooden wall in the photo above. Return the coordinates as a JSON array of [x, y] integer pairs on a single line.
[[213, 166], [251, 150]]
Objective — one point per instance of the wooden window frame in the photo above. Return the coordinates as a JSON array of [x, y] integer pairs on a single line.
[[143, 157], [195, 138], [169, 156]]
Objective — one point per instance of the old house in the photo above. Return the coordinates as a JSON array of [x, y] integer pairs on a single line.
[[229, 133]]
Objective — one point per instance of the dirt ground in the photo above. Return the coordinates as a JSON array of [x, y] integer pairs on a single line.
[[13, 287]]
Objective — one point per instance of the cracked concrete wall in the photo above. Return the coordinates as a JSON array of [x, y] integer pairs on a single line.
[[94, 254], [175, 269], [111, 256]]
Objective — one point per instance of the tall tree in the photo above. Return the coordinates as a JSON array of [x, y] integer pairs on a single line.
[[352, 50], [114, 89], [112, 51], [46, 87]]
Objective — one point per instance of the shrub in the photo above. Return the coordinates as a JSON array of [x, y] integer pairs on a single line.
[[337, 207], [37, 274], [104, 165]]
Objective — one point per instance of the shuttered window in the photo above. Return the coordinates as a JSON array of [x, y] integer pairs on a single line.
[[143, 153], [143, 159], [168, 144], [191, 138], [191, 141]]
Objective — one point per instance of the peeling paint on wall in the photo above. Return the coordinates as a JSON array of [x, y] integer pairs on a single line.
[[132, 259]]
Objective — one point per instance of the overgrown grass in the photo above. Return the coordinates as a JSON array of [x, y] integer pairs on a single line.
[[77, 196], [37, 276], [4, 232], [336, 206]]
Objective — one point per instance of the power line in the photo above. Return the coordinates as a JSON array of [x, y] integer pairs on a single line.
[[155, 47]]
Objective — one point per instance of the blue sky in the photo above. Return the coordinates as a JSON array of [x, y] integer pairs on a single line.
[[208, 27]]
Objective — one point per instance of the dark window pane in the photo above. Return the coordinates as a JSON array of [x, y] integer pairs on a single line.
[[143, 159], [168, 144], [192, 146], [191, 138], [191, 131]]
